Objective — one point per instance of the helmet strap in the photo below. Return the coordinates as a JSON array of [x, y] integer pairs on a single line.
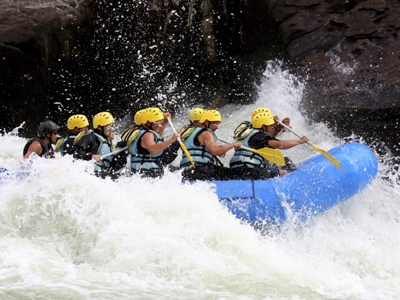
[[145, 126]]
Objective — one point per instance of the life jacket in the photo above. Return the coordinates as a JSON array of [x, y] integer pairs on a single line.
[[243, 130], [104, 148], [46, 152], [64, 142], [144, 163], [246, 158], [186, 131], [200, 154]]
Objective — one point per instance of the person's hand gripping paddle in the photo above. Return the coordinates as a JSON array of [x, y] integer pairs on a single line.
[[329, 156]]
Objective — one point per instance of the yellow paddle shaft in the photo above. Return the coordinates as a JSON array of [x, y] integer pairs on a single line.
[[182, 144], [329, 156]]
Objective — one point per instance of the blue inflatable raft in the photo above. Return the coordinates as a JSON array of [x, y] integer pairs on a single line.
[[314, 188]]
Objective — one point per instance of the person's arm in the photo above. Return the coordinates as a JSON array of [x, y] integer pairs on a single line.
[[288, 143], [207, 139], [35, 147], [86, 148], [150, 145]]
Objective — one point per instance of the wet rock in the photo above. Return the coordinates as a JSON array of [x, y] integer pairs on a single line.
[[349, 53], [34, 39]]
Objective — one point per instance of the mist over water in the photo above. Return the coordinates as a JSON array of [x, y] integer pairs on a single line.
[[66, 234]]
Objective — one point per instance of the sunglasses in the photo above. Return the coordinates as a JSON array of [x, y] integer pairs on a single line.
[[55, 132]]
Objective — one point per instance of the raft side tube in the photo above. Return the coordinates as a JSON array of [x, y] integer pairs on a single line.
[[312, 189]]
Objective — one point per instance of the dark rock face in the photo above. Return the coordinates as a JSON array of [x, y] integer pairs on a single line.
[[120, 56], [34, 39], [84, 56], [349, 53]]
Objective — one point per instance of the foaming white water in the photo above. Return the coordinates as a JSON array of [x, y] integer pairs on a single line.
[[65, 234]]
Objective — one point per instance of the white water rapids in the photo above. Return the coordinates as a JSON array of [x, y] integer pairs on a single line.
[[66, 234]]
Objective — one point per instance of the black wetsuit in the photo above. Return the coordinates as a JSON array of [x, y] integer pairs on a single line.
[[69, 144], [89, 145], [47, 152]]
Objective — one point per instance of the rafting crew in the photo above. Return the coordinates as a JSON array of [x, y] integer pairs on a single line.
[[41, 145], [260, 134], [131, 133], [149, 153], [75, 124], [202, 145], [93, 145]]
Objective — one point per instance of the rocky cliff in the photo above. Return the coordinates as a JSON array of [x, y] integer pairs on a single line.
[[58, 56]]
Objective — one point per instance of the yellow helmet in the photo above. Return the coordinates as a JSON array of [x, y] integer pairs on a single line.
[[195, 114], [138, 117], [152, 114], [79, 121], [262, 119], [211, 116], [260, 110], [102, 119]]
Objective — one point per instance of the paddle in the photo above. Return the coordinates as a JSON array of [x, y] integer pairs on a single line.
[[114, 152], [329, 156], [273, 155], [182, 144]]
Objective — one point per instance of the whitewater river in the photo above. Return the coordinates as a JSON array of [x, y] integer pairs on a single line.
[[65, 234]]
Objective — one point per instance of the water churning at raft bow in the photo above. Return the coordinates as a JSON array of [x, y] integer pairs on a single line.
[[66, 234]]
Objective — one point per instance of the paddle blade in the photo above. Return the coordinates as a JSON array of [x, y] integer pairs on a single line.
[[187, 153], [328, 156], [273, 155]]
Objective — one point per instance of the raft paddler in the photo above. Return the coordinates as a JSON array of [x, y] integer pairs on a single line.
[[194, 122], [202, 145], [260, 135], [277, 127], [149, 152], [41, 145], [131, 133], [76, 124], [99, 142]]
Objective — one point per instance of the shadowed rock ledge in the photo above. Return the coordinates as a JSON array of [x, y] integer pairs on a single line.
[[348, 52], [57, 56]]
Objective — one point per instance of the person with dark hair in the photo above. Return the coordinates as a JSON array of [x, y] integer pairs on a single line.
[[261, 134], [41, 145], [98, 143], [149, 152], [202, 145], [76, 124]]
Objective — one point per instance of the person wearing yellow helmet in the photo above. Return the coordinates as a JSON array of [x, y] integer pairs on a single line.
[[253, 166], [194, 117], [76, 124], [194, 122], [149, 152], [277, 127], [98, 143], [41, 145], [131, 133], [202, 145]]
